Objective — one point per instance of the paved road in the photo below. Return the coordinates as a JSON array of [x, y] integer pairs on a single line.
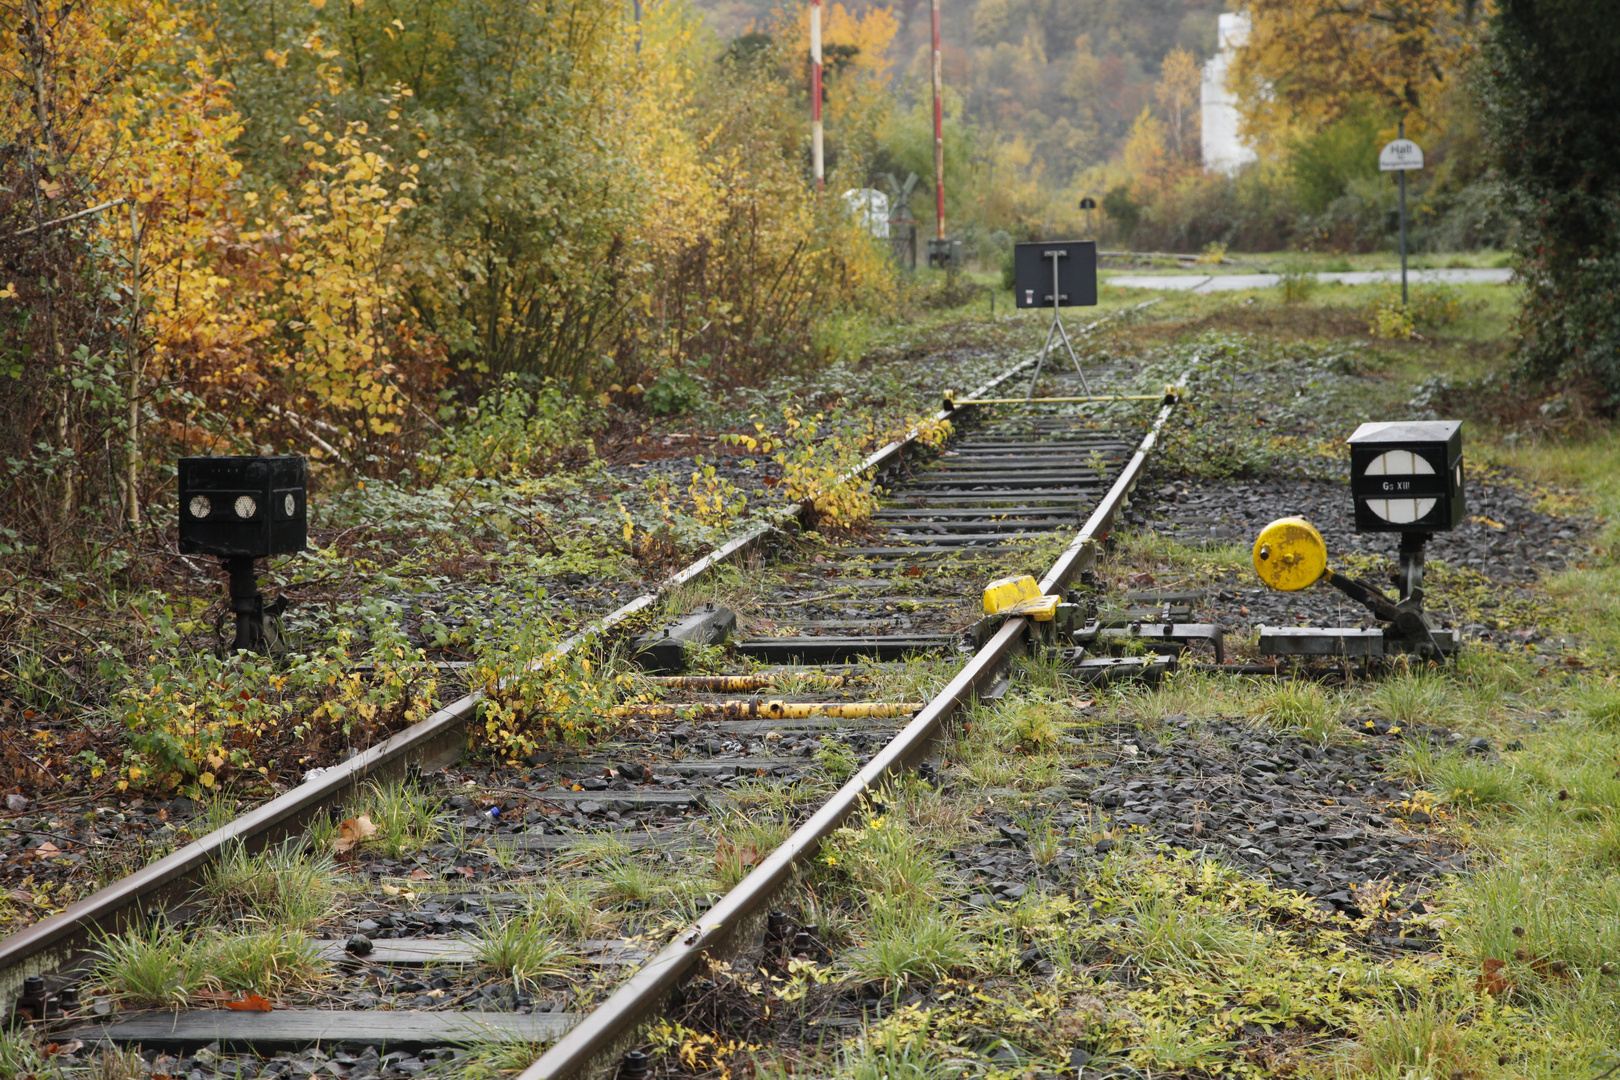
[[1207, 283]]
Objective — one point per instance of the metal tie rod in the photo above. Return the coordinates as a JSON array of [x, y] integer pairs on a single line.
[[952, 402]]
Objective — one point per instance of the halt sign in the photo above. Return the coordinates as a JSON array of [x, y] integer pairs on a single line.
[[1401, 155]]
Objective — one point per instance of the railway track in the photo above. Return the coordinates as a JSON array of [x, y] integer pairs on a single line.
[[846, 663]]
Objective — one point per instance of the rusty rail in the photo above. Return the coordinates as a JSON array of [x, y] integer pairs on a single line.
[[591, 1048], [437, 741]]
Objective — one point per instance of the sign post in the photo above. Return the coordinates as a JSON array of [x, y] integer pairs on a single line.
[[1069, 270], [1088, 204], [1401, 156]]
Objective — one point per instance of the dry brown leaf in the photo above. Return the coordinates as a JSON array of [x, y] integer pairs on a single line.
[[47, 848], [250, 1003], [351, 832], [1491, 980], [420, 874]]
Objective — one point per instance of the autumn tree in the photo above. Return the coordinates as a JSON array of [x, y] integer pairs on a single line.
[[1308, 63], [1177, 95], [1552, 102]]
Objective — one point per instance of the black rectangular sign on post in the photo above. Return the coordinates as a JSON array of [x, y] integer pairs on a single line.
[[249, 507], [1407, 476], [1076, 274]]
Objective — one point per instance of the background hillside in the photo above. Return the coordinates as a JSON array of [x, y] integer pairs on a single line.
[[1057, 82]]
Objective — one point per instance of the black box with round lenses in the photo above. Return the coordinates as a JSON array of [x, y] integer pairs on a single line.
[[243, 506]]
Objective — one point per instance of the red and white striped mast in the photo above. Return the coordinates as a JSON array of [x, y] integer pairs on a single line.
[[939, 133], [818, 160]]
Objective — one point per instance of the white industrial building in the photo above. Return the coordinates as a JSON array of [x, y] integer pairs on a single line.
[[1224, 151]]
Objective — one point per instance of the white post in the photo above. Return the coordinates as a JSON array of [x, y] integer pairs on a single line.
[[817, 152]]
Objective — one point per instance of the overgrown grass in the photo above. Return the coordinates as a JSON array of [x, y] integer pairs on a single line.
[[407, 818], [151, 966], [571, 906], [524, 949], [158, 967], [1469, 781], [268, 961], [1298, 707], [1417, 697], [1171, 934], [907, 943], [283, 886]]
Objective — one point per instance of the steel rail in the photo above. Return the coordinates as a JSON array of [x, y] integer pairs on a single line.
[[436, 741], [1081, 553], [610, 1029]]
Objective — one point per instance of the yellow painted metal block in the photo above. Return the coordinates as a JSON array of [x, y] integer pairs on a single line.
[[1005, 592], [1290, 554], [1039, 608]]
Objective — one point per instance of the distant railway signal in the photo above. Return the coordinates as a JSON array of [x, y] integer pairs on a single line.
[[241, 509]]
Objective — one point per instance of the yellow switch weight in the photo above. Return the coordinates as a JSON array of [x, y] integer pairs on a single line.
[[1290, 554]]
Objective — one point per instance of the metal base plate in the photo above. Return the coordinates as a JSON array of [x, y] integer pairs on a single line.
[[1340, 641]]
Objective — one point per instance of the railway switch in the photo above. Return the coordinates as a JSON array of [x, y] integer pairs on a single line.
[[1405, 478], [242, 509], [1078, 624]]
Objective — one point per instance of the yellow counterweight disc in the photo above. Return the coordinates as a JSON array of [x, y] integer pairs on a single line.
[[1290, 554]]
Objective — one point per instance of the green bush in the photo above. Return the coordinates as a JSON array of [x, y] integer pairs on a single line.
[[517, 424], [673, 393]]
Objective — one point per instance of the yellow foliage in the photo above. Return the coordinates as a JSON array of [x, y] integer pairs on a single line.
[[1307, 62], [339, 281], [825, 469], [1147, 158], [1180, 80]]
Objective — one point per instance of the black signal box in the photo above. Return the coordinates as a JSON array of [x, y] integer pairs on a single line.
[[1407, 476], [249, 507], [1075, 279]]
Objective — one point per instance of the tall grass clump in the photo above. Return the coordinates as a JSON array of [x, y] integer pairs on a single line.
[[1298, 707]]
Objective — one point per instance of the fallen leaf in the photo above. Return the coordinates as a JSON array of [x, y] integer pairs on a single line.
[[420, 874], [1491, 980], [1143, 578], [46, 849], [351, 832], [250, 1003], [1548, 968], [464, 871]]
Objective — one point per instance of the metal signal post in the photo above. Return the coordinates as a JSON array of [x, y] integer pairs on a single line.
[[939, 133], [818, 159], [1401, 133], [1401, 156]]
